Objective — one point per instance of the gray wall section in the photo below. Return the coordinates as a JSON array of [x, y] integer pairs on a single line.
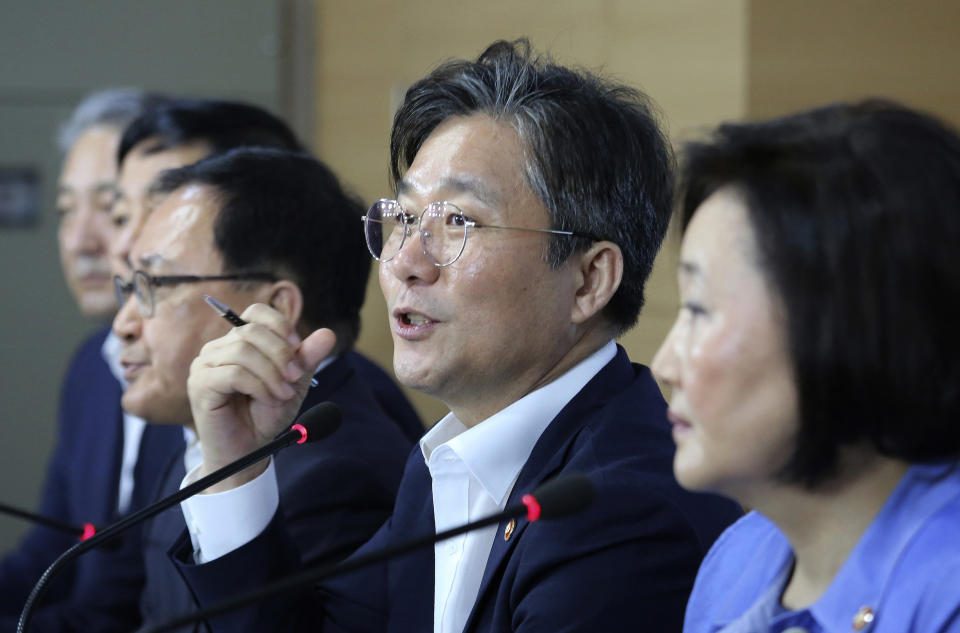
[[60, 48], [51, 54]]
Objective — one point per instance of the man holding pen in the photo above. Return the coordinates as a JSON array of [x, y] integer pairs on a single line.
[[530, 202]]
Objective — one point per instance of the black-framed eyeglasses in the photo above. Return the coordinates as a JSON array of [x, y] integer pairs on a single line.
[[442, 226], [143, 284]]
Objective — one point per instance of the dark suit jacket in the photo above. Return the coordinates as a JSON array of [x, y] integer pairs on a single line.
[[388, 395], [335, 493], [627, 563], [81, 486]]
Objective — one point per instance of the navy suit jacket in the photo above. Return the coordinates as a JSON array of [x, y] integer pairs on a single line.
[[627, 563], [388, 395], [81, 486], [334, 493]]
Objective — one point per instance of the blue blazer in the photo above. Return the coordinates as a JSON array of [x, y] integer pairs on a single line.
[[627, 563], [81, 486], [335, 493]]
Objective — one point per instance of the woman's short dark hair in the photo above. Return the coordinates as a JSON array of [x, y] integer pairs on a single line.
[[856, 213], [597, 158], [286, 213]]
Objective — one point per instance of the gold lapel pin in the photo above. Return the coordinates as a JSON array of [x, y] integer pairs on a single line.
[[863, 618]]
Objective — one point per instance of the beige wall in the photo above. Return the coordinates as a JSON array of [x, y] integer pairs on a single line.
[[809, 53], [690, 56]]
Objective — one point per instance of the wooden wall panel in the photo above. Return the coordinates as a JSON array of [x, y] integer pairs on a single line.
[[808, 53]]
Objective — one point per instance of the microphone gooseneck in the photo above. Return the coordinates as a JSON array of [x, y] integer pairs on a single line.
[[316, 423], [81, 532], [560, 497]]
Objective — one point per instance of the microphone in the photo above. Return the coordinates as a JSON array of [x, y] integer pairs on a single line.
[[560, 497], [81, 532], [316, 423]]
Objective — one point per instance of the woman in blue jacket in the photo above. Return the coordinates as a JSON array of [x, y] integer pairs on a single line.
[[815, 370]]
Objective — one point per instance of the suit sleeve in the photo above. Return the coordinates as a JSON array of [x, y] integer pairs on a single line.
[[100, 591], [104, 598], [328, 509], [22, 567]]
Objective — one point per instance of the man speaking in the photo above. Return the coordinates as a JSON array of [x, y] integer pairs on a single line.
[[530, 201]]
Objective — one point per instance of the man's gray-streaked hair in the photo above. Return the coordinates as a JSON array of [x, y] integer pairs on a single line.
[[114, 107], [595, 154]]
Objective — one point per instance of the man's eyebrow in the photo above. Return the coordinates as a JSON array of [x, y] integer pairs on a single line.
[[460, 184], [150, 260], [157, 188], [109, 188], [154, 198], [98, 188], [689, 268]]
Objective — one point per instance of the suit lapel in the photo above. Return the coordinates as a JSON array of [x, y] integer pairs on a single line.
[[100, 448], [159, 444], [329, 380], [105, 476], [547, 458]]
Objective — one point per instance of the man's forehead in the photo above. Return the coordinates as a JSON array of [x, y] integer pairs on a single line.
[[147, 162], [180, 225], [89, 164], [474, 156], [469, 184]]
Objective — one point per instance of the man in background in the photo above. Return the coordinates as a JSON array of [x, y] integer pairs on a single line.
[[97, 470], [181, 132], [272, 227], [170, 134]]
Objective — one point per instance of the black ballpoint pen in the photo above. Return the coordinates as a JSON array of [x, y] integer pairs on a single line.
[[234, 319]]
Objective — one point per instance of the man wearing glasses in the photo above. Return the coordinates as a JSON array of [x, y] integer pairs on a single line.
[[530, 202], [172, 134], [255, 226], [182, 132]]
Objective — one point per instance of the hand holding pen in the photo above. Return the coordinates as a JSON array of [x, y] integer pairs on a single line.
[[247, 385], [234, 319]]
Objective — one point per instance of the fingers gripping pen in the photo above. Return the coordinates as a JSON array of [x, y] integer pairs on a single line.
[[234, 319]]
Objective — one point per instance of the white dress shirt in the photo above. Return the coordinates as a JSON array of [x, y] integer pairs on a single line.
[[472, 470], [132, 427]]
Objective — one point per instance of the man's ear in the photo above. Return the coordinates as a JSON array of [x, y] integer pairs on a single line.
[[286, 298], [600, 272]]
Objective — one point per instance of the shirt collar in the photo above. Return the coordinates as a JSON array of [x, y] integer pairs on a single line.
[[326, 362], [192, 453], [495, 450]]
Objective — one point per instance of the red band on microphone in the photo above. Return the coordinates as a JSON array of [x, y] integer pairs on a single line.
[[303, 432], [533, 507], [88, 531]]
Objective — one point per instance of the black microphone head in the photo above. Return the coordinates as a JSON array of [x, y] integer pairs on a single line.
[[320, 420], [564, 495]]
